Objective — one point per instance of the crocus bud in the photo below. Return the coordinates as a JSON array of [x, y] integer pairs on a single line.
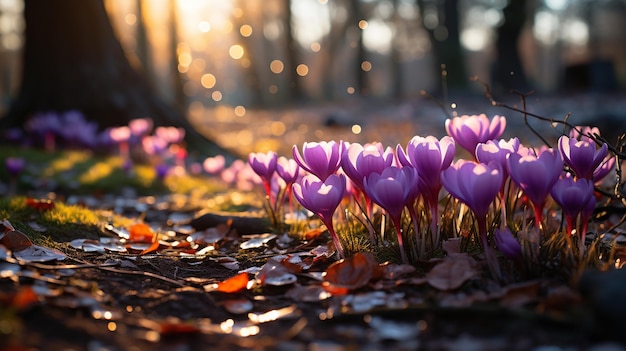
[[508, 245]]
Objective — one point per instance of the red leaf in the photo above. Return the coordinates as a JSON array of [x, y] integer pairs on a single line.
[[15, 240], [24, 297], [177, 328], [141, 233], [351, 273], [234, 284], [40, 204]]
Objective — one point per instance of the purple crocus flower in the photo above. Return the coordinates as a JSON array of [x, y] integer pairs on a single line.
[[497, 150], [393, 189], [287, 169], [320, 158], [536, 175], [573, 196], [469, 131], [507, 244], [603, 169], [476, 185], [264, 164], [430, 156], [360, 161], [14, 165], [322, 198], [582, 156]]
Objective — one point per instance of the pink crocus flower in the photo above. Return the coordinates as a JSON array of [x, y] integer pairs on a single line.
[[430, 156], [322, 198], [582, 156], [584, 133], [264, 164], [319, 158], [358, 162], [393, 189], [170, 134], [476, 185], [289, 171], [140, 127], [468, 131], [573, 195], [536, 175], [214, 165]]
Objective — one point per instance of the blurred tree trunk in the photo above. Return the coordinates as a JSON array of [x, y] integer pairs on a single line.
[[446, 42], [292, 54], [508, 72], [180, 100], [354, 19], [73, 61], [336, 39]]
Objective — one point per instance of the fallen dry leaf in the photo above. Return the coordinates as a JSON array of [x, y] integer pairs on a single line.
[[40, 204], [15, 240], [234, 284], [452, 272], [141, 233], [351, 273], [275, 273]]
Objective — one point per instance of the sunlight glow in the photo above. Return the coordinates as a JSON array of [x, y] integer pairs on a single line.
[[546, 27], [475, 38], [245, 30], [302, 70], [236, 51], [277, 66], [378, 36], [311, 21], [208, 80]]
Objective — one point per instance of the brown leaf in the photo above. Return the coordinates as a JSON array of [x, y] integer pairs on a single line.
[[351, 273], [452, 272], [275, 273], [15, 240]]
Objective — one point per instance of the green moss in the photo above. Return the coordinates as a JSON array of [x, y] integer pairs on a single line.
[[62, 223]]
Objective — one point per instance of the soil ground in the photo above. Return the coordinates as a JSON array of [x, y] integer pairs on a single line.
[[157, 302]]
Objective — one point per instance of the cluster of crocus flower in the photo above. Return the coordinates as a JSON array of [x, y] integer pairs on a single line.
[[409, 179]]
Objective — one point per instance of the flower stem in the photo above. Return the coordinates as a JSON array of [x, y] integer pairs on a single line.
[[490, 256], [396, 223], [333, 235]]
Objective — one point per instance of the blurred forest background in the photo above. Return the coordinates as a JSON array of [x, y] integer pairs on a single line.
[[244, 54]]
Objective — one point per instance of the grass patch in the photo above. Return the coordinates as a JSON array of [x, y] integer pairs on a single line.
[[62, 223]]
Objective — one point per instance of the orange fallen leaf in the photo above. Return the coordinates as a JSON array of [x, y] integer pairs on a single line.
[[141, 233], [452, 272], [234, 284], [351, 273], [155, 246], [313, 233]]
